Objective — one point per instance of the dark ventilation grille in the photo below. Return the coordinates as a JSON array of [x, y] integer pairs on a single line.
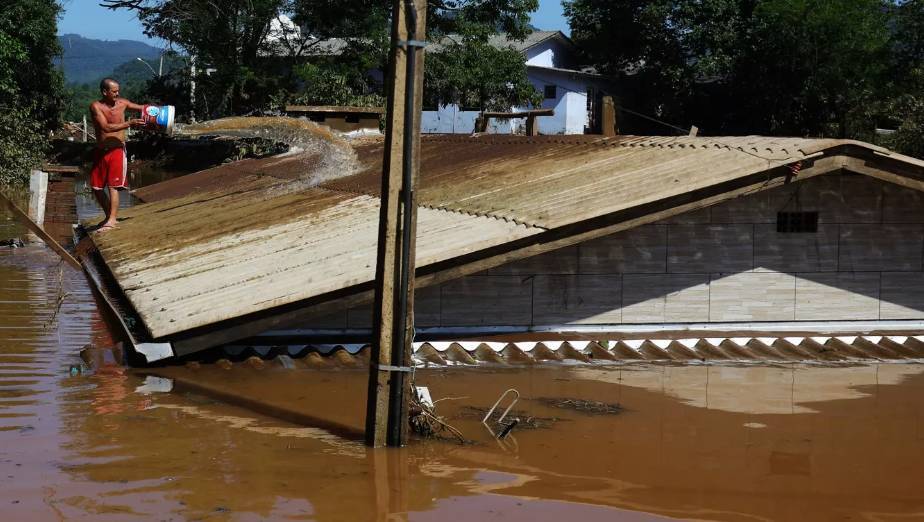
[[551, 92], [797, 222]]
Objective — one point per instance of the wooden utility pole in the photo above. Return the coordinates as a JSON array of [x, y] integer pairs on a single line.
[[608, 119], [393, 320]]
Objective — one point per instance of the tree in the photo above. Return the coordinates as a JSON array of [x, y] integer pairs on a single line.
[[244, 41], [903, 108], [663, 50], [474, 73], [31, 88], [793, 67], [226, 36], [811, 67]]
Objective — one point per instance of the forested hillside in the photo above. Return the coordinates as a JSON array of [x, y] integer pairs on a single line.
[[86, 60]]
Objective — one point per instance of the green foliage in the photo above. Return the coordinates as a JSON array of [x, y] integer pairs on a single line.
[[332, 85], [138, 83], [77, 100], [775, 67], [905, 112], [23, 144], [905, 103], [227, 36], [252, 72], [833, 58], [474, 73], [31, 90]]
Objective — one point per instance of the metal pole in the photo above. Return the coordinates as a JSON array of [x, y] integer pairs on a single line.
[[386, 411], [147, 64]]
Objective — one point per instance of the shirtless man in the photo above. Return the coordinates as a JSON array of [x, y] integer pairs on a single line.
[[110, 165]]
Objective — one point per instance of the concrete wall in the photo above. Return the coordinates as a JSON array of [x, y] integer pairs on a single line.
[[570, 105], [726, 263], [551, 53], [450, 119], [570, 102]]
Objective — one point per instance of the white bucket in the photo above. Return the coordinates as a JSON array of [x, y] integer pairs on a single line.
[[159, 118]]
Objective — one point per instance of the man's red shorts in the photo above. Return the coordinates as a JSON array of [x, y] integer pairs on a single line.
[[110, 168]]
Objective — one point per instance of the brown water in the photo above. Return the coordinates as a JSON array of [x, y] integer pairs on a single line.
[[784, 442], [700, 442]]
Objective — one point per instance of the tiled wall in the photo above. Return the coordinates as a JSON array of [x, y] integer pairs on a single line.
[[721, 264]]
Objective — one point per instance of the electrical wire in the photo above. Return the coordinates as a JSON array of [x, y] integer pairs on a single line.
[[653, 119]]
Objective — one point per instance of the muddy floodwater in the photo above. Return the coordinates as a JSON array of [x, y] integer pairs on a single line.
[[628, 442], [631, 442]]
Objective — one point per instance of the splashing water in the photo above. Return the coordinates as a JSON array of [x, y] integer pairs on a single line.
[[325, 154]]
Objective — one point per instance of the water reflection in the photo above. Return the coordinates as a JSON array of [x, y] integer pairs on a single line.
[[709, 442]]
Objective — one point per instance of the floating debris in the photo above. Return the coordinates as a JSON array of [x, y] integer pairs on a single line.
[[526, 421], [582, 405], [423, 419]]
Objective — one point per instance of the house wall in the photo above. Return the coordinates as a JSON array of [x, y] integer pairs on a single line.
[[551, 53], [570, 103], [450, 119], [723, 264]]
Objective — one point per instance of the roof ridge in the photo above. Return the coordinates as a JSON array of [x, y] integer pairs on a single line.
[[324, 186], [442, 208], [480, 214]]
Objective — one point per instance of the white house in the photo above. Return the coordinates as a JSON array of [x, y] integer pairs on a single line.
[[551, 66]]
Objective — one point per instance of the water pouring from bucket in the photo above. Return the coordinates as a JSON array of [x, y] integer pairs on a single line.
[[159, 118]]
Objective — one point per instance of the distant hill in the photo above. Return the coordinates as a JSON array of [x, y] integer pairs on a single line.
[[86, 60]]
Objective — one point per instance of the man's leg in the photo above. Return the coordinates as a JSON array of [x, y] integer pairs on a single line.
[[116, 174], [103, 201], [113, 208], [98, 183]]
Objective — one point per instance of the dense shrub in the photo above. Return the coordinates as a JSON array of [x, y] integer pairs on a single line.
[[31, 88]]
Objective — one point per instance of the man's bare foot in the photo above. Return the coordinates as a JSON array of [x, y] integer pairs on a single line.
[[106, 226]]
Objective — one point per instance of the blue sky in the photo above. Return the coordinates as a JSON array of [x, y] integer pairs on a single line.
[[87, 18]]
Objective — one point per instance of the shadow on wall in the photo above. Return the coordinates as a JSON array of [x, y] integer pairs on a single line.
[[726, 263]]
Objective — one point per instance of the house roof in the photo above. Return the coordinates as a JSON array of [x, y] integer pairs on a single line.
[[502, 40], [587, 72], [258, 236], [532, 40], [336, 46]]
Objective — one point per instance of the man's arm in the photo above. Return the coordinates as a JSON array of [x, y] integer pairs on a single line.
[[100, 120], [132, 106]]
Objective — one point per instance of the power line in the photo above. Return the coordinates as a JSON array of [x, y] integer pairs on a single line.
[[680, 129], [653, 119]]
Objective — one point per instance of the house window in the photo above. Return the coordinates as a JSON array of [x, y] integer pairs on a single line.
[[796, 222], [551, 92]]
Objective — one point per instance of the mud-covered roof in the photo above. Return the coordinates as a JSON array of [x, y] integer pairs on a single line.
[[255, 235]]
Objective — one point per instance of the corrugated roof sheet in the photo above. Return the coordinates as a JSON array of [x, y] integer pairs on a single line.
[[249, 236]]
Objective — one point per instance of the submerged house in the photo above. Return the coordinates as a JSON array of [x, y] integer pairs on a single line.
[[638, 237], [574, 93]]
